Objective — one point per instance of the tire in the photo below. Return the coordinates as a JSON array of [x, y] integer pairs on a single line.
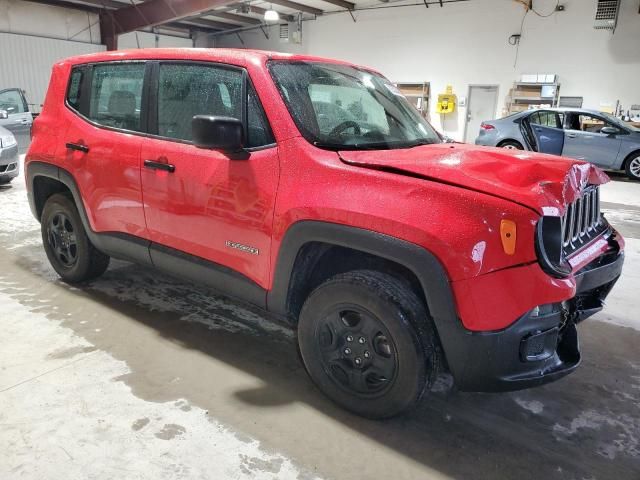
[[362, 313], [511, 145], [69, 250], [632, 166]]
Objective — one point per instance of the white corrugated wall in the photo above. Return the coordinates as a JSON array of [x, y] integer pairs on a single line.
[[26, 61]]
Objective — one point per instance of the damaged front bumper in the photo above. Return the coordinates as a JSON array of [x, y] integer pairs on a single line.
[[542, 345]]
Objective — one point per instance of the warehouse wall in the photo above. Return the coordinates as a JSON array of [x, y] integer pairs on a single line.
[[466, 43], [45, 34], [29, 18], [33, 75]]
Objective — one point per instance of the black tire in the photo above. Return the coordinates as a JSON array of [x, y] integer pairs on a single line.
[[371, 305], [632, 166], [69, 250], [511, 145]]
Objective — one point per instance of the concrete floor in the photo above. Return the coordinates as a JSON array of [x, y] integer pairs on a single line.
[[140, 376]]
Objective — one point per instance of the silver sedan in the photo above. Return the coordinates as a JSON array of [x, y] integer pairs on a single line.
[[582, 134], [9, 164]]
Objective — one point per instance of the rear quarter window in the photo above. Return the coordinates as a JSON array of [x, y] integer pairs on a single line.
[[74, 89]]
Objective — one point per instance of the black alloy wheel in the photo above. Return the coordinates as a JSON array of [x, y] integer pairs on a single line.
[[62, 239]]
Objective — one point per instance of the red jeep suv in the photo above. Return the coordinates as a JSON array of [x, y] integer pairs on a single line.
[[312, 189]]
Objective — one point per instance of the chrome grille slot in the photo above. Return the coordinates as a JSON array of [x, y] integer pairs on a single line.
[[582, 220]]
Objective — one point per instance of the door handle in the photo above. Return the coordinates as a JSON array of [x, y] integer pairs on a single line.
[[571, 135], [78, 147], [155, 165]]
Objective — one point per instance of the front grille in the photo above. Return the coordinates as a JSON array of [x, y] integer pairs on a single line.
[[582, 221]]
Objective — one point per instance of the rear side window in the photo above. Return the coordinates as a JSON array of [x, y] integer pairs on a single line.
[[185, 91], [116, 95], [546, 119]]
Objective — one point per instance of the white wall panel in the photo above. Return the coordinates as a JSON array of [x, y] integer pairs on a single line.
[[18, 16], [26, 61], [466, 43]]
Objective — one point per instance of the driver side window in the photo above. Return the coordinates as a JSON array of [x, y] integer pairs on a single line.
[[592, 124], [11, 101]]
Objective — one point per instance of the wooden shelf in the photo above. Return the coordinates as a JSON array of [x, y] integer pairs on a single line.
[[527, 94]]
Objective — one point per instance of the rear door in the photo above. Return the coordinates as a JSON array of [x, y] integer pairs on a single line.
[[105, 117], [207, 203], [584, 141], [543, 129], [19, 119]]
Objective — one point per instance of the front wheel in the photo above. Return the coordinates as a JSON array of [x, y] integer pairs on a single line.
[[69, 250], [633, 167], [367, 342]]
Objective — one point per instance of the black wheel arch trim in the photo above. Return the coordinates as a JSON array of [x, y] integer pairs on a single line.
[[422, 263]]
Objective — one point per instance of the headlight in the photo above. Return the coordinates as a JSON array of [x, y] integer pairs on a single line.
[[7, 141], [549, 247]]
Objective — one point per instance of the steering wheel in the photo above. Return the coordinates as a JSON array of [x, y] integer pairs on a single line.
[[344, 126]]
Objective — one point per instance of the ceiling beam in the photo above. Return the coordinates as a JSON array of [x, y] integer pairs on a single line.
[[211, 24], [297, 6], [233, 17], [342, 3], [156, 12], [260, 11], [96, 6]]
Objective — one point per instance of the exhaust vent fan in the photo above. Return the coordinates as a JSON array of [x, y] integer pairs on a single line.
[[284, 33], [606, 14]]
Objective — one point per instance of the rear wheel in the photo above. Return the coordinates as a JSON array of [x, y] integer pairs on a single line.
[[511, 145], [368, 344], [69, 250], [633, 166]]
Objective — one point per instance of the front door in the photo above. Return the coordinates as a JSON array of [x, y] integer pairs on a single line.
[[101, 146], [215, 206], [481, 106], [584, 140], [544, 130], [19, 118]]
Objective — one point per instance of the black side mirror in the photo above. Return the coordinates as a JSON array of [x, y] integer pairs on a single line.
[[217, 133], [609, 131]]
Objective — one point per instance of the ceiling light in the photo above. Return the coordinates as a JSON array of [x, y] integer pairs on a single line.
[[271, 15]]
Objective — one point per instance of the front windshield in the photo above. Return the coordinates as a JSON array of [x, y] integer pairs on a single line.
[[345, 108]]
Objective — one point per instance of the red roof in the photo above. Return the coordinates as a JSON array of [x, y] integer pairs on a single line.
[[233, 56]]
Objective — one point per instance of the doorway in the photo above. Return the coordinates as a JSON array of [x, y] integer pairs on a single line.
[[481, 105]]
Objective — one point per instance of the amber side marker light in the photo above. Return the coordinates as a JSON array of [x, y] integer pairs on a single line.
[[508, 236]]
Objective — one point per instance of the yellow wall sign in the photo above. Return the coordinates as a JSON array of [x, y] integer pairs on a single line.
[[446, 101]]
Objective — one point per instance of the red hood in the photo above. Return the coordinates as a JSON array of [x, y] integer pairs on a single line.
[[544, 183]]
